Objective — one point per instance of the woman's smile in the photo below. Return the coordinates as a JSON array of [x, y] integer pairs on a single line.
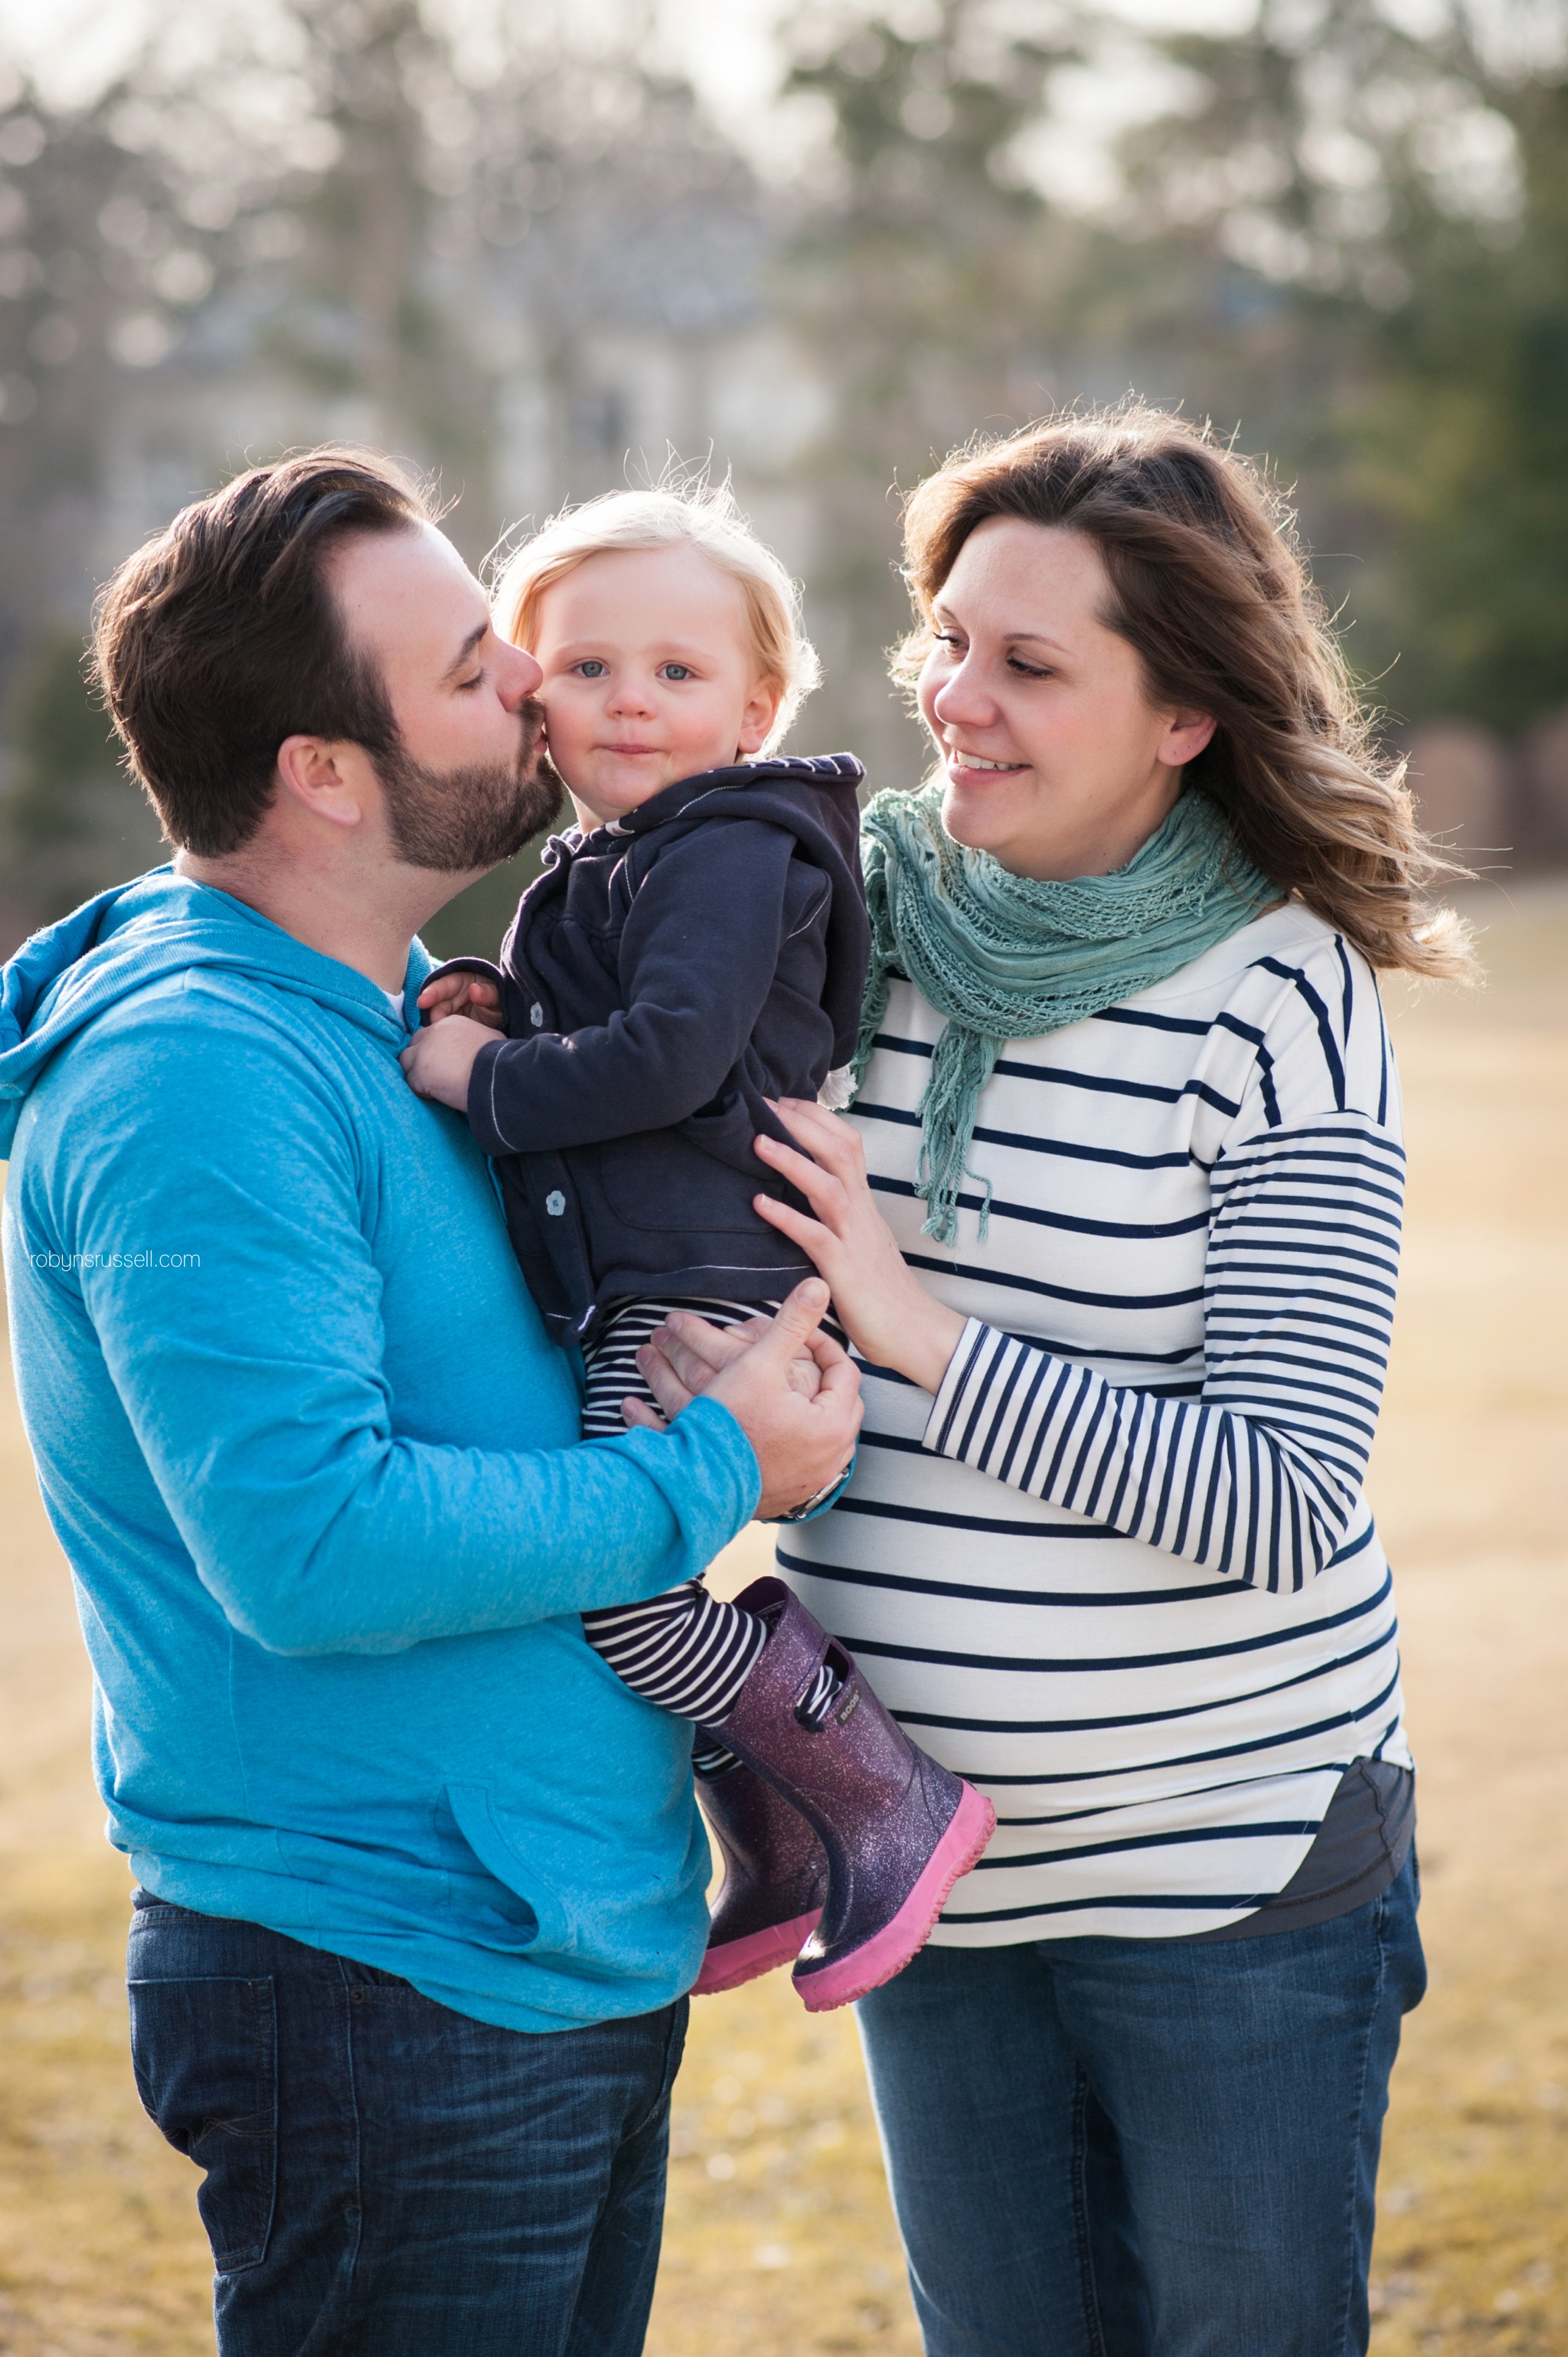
[[959, 762]]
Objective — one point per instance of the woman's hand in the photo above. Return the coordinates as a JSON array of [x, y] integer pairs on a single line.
[[879, 1301]]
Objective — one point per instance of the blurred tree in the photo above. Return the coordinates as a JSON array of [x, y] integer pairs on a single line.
[[585, 204], [94, 259], [1341, 236], [351, 198], [1401, 203], [1461, 444], [97, 261], [76, 820], [368, 320], [930, 279]]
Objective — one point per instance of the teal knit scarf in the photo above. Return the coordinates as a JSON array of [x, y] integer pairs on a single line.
[[1006, 958]]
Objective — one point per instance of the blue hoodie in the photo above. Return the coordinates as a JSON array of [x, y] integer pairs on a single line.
[[316, 1467]]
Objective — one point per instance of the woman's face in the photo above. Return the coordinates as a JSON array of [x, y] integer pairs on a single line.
[[1055, 762]]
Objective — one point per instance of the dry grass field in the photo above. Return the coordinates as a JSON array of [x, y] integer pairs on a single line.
[[779, 2240]]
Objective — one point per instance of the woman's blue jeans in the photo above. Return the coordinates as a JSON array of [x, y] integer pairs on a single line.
[[386, 2177], [1144, 2147]]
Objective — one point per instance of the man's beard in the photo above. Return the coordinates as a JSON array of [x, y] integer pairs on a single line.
[[452, 820]]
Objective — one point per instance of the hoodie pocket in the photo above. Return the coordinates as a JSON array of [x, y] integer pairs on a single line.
[[499, 1839]]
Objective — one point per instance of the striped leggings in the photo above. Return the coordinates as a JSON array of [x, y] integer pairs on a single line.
[[686, 1651]]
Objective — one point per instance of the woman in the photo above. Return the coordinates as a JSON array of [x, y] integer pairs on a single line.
[[1114, 1226]]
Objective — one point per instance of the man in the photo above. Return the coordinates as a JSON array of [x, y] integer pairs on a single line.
[[420, 1880]]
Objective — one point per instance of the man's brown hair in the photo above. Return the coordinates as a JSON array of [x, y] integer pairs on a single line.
[[221, 637]]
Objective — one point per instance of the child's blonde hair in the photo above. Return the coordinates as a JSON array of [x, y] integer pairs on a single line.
[[695, 515]]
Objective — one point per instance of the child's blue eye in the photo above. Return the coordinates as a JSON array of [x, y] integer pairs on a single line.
[[675, 670], [592, 668]]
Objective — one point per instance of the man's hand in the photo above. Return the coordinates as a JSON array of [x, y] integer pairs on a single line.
[[690, 1352], [803, 1439], [463, 994], [437, 1061], [791, 1389]]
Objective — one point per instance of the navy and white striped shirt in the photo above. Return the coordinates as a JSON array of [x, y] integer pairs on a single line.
[[1119, 1572]]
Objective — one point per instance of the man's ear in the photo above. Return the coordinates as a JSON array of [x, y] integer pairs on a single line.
[[761, 712], [333, 778]]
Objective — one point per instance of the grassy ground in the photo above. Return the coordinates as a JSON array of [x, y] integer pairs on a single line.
[[779, 2240]]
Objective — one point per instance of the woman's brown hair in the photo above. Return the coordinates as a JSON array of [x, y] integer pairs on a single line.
[[1210, 590]]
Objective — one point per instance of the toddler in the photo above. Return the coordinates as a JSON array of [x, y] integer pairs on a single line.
[[695, 946]]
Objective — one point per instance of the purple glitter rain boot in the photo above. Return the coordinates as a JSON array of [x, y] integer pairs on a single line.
[[898, 1829], [776, 1879]]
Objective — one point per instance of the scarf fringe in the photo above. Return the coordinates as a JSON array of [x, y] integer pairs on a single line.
[[961, 1065]]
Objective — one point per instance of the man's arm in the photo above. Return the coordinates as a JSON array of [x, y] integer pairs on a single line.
[[256, 1389]]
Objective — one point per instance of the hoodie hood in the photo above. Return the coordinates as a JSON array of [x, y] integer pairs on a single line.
[[64, 977]]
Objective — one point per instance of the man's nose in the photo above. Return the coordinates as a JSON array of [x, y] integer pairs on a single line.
[[522, 677]]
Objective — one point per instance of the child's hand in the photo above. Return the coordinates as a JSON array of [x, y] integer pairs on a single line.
[[463, 994], [437, 1060]]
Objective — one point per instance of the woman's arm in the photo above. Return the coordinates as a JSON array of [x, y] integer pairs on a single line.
[[1257, 1475]]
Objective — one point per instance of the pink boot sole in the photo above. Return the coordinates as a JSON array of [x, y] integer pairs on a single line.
[[883, 1956], [760, 1952]]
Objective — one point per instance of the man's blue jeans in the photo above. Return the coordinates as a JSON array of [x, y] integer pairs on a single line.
[[1144, 2147], [387, 2178]]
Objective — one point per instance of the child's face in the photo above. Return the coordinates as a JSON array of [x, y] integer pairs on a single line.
[[650, 676]]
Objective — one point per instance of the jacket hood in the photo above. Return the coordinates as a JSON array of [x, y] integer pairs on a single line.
[[64, 977], [814, 798]]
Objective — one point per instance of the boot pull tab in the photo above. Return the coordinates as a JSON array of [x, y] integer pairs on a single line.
[[826, 1688]]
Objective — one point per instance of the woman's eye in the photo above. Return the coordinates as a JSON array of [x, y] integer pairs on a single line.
[[945, 637], [675, 670], [1028, 670], [592, 669]]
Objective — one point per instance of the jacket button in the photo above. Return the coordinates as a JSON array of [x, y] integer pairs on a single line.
[[555, 1202], [536, 1016]]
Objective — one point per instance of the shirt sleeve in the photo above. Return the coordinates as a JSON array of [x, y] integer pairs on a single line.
[[698, 958], [1258, 1476], [256, 1389]]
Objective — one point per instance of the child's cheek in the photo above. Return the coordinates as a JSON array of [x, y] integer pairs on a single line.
[[563, 713]]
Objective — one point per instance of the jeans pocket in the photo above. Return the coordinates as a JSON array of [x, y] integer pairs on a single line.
[[205, 2055]]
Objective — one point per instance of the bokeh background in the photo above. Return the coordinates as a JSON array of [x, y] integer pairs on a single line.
[[543, 248]]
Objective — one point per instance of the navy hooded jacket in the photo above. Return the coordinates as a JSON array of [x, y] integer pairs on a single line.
[[662, 977]]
